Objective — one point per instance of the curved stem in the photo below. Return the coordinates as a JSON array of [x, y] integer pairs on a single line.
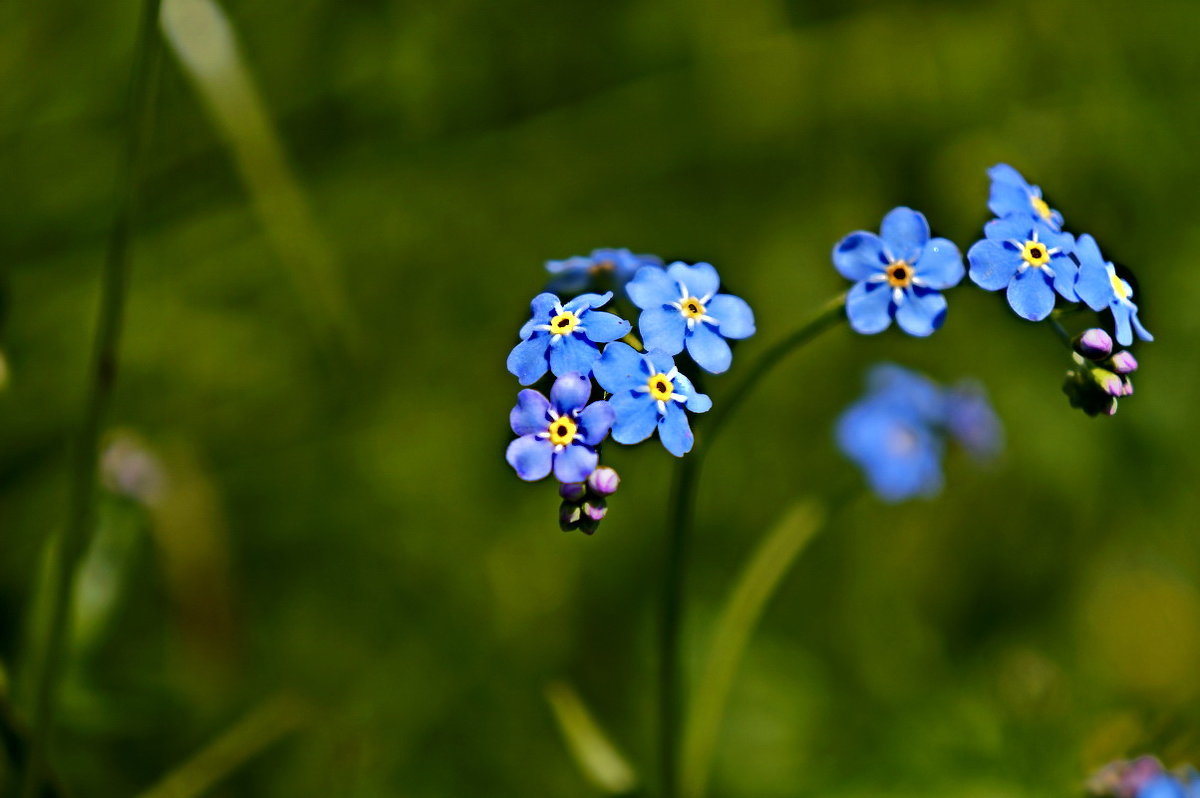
[[68, 546], [687, 474]]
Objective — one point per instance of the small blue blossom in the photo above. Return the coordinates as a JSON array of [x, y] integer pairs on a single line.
[[898, 274], [1012, 195], [1030, 259], [648, 393], [1099, 286], [563, 338], [680, 306], [897, 432], [577, 273], [559, 433]]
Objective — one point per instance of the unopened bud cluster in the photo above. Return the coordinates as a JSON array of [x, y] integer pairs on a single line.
[[584, 504], [1099, 376]]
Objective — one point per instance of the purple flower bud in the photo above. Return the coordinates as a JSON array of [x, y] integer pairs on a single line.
[[1094, 344], [1126, 386], [604, 481], [1108, 382], [1124, 362], [595, 509], [569, 516], [572, 491]]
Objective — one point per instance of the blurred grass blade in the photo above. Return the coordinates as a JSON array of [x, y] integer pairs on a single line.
[[270, 721], [599, 759], [754, 587], [206, 46]]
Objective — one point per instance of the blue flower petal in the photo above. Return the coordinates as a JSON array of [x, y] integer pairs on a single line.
[[701, 279], [1093, 284], [921, 314], [1010, 228], [636, 415], [709, 349], [696, 402], [1121, 314], [658, 361], [675, 432], [859, 256], [587, 301], [868, 307], [1006, 198], [527, 360], [575, 463], [529, 415], [1003, 173], [1065, 272], [652, 288], [595, 421], [602, 327], [530, 457], [734, 317], [572, 353], [904, 233], [992, 264], [619, 368], [940, 265], [542, 307], [1030, 294], [570, 392], [1142, 333], [663, 328]]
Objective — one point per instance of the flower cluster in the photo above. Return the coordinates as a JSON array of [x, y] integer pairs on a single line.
[[643, 390], [1144, 777], [1099, 376], [898, 431], [900, 273]]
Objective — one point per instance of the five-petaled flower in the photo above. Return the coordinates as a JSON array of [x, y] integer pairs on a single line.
[[579, 271], [897, 432], [648, 393], [1100, 287], [562, 337], [1011, 194], [898, 274], [680, 306], [1030, 259], [558, 434]]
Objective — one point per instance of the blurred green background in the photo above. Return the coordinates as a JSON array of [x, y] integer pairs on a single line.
[[314, 354]]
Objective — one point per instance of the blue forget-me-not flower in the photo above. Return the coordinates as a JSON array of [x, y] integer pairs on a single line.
[[681, 307], [1030, 259], [898, 274], [1100, 287], [1011, 194], [648, 393], [1144, 777], [897, 432], [562, 337], [577, 272], [559, 433]]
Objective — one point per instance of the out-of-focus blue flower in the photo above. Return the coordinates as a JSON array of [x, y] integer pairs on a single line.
[[648, 393], [898, 274], [897, 432], [1030, 259], [1012, 195], [559, 433], [580, 271], [680, 306], [1099, 286], [562, 337], [1144, 777]]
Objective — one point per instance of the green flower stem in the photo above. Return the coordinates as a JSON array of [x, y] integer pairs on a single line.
[[66, 548], [687, 473]]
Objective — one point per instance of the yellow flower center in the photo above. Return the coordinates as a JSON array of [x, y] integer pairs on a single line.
[[562, 431], [1120, 286], [564, 323], [661, 387], [692, 308], [601, 266], [899, 274], [1035, 253], [1043, 210]]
